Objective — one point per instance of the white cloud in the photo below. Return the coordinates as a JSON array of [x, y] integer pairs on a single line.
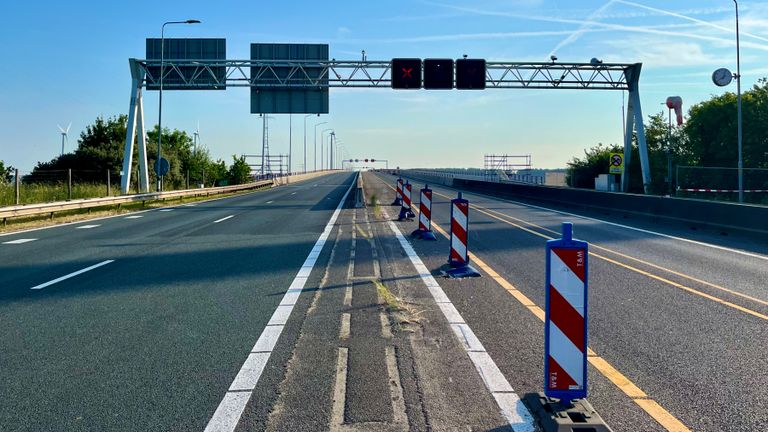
[[661, 53]]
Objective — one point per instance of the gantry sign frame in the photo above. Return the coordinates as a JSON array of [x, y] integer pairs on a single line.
[[377, 74]]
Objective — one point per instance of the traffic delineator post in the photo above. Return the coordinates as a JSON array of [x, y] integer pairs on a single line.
[[398, 193], [563, 404], [424, 231], [405, 210], [565, 323], [458, 255]]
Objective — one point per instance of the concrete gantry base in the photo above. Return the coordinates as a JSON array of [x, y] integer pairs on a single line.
[[554, 416]]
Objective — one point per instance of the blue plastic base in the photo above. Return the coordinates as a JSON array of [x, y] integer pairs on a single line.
[[397, 202], [405, 214], [461, 272], [424, 235]]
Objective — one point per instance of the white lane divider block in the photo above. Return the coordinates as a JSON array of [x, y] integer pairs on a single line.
[[20, 241], [87, 226], [134, 217]]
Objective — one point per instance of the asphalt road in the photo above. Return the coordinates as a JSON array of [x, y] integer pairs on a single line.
[[152, 335], [685, 322]]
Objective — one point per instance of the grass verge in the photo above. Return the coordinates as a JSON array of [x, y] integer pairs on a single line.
[[37, 221]]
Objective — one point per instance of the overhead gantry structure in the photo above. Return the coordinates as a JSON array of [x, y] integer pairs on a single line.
[[325, 74]]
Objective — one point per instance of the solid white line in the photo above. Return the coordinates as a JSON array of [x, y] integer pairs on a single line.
[[20, 241], [79, 272], [87, 226], [512, 408], [230, 409], [224, 218]]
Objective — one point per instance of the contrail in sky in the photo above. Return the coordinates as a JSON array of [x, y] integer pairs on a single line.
[[696, 20], [581, 30]]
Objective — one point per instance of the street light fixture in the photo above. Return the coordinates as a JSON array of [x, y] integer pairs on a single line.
[[722, 77], [160, 107], [315, 151]]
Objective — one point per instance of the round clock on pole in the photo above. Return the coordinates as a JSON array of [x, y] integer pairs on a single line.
[[722, 77]]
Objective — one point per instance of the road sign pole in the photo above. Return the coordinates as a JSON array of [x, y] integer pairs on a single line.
[[565, 324]]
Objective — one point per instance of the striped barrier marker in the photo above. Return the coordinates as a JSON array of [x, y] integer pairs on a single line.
[[565, 325], [405, 209], [458, 256], [398, 193], [425, 215]]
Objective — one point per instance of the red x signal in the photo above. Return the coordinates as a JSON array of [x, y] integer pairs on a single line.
[[407, 73]]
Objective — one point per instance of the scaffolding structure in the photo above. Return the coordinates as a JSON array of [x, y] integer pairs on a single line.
[[510, 164], [268, 166]]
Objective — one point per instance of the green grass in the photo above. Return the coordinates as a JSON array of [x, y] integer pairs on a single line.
[[44, 193]]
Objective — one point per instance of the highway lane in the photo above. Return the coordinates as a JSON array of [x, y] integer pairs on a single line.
[[152, 340], [701, 360]]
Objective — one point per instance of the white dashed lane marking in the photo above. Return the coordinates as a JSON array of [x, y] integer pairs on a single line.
[[20, 241], [71, 275], [87, 226], [224, 218]]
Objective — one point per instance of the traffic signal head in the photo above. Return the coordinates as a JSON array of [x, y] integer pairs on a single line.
[[470, 74], [357, 160], [438, 74], [406, 73], [373, 160], [366, 161]]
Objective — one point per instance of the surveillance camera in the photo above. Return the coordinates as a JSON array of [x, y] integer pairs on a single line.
[[553, 58], [595, 61]]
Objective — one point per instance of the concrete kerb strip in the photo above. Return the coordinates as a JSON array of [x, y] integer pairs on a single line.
[[509, 403], [227, 415]]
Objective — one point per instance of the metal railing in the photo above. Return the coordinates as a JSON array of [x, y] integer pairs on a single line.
[[51, 208]]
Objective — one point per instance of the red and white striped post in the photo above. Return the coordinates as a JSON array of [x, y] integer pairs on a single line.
[[458, 256], [398, 193], [425, 215], [405, 210], [565, 324]]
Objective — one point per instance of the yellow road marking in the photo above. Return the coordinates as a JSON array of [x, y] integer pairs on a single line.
[[635, 269], [650, 406], [649, 264]]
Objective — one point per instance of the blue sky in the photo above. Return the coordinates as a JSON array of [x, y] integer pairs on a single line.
[[67, 62]]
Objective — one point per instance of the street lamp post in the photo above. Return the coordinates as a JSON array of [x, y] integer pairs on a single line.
[[738, 105], [160, 97], [322, 147], [305, 142], [314, 153], [330, 153]]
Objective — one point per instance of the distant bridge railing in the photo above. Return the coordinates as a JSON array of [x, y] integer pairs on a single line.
[[447, 175]]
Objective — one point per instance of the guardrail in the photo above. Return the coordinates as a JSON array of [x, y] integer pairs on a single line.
[[51, 208]]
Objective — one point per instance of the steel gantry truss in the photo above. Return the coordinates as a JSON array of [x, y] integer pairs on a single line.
[[305, 74]]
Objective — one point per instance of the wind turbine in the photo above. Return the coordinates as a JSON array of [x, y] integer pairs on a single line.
[[64, 136], [196, 136]]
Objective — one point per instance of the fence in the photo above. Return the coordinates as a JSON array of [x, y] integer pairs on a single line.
[[722, 184]]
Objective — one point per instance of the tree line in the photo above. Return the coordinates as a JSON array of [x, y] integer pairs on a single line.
[[100, 148], [708, 138]]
